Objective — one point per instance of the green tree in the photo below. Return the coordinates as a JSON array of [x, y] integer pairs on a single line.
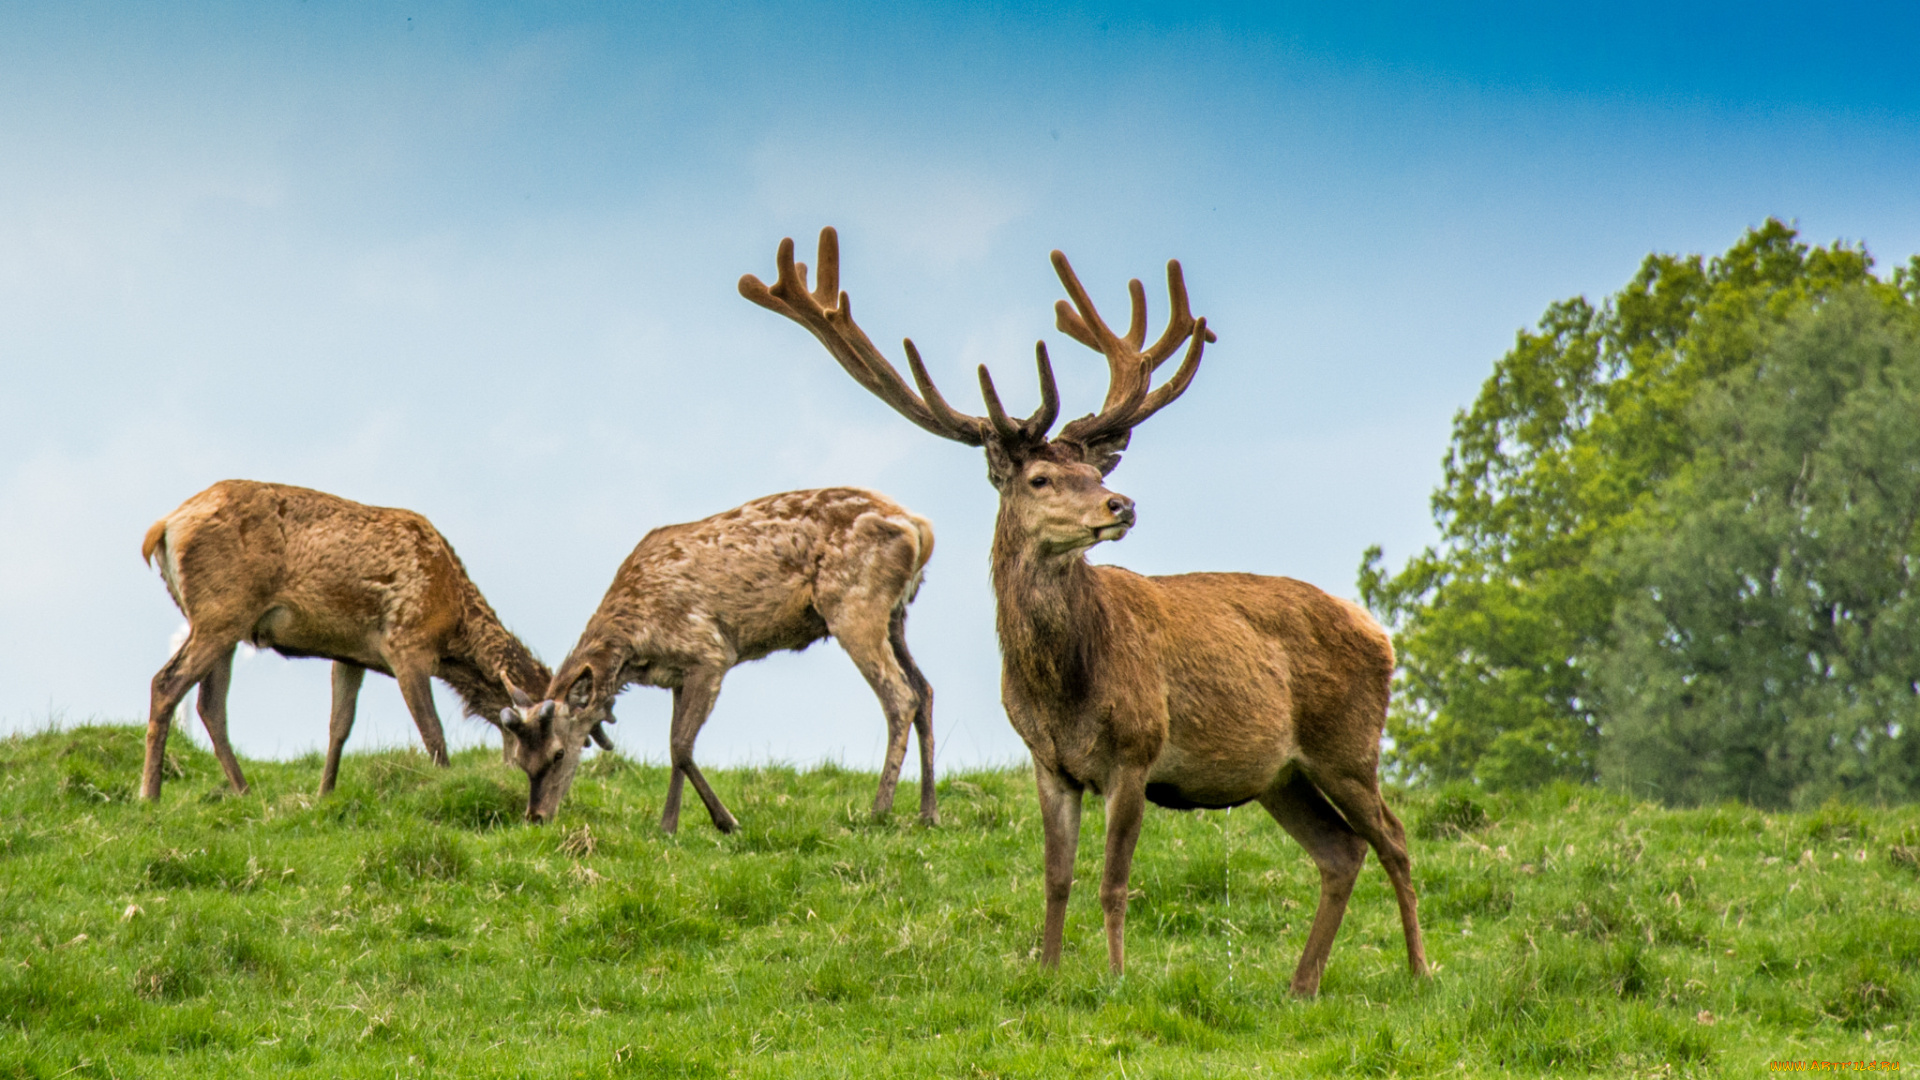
[[1497, 625], [1767, 636]]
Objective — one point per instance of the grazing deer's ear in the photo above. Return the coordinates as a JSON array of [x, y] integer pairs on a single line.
[[581, 691]]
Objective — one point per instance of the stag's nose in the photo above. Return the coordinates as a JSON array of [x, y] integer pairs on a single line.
[[1122, 508]]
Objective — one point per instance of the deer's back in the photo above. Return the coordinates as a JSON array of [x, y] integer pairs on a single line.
[[760, 574], [312, 572]]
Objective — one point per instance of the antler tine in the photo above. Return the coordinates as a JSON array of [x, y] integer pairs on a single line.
[[1049, 410], [1033, 428], [936, 404], [1137, 320], [1180, 320], [1126, 374], [1130, 398], [996, 415], [828, 314], [1082, 322], [1068, 320], [828, 266], [1182, 376]]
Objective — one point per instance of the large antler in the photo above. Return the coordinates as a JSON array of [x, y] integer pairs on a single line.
[[835, 328], [1129, 397]]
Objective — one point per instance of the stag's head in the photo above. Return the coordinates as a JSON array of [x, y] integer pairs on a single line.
[[546, 740], [1053, 495]]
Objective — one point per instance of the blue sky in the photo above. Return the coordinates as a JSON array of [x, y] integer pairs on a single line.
[[479, 260]]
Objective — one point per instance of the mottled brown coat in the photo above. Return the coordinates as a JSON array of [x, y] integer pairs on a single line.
[[1194, 690], [693, 600], [310, 574]]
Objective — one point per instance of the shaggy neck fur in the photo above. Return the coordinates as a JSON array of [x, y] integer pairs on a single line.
[[1053, 619], [491, 650]]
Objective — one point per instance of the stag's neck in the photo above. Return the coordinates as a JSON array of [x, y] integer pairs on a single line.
[[1054, 618], [492, 651]]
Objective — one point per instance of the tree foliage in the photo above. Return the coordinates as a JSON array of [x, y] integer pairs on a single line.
[[1767, 637], [1499, 624]]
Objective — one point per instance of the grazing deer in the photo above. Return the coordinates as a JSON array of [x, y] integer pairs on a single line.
[[694, 600], [310, 574], [1195, 690]]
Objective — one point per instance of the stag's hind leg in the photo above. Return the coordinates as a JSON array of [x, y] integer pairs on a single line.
[[212, 705], [1336, 850], [692, 702], [188, 666], [1358, 797]]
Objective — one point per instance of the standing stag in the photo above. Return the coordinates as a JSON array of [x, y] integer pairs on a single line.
[[694, 600], [1194, 690], [310, 574]]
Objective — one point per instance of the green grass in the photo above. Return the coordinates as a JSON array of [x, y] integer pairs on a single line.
[[410, 925]]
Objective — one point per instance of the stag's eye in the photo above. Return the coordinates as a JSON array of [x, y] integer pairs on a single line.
[[1037, 483]]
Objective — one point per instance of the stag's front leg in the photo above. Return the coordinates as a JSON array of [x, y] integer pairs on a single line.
[[1126, 807], [692, 701], [347, 678], [1060, 824]]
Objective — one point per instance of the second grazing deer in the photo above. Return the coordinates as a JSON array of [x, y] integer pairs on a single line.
[[693, 600], [305, 573], [1194, 690]]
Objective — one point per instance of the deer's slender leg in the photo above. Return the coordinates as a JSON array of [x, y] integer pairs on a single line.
[[186, 667], [1126, 808], [692, 702], [347, 677], [1060, 824], [863, 631], [1357, 795], [212, 706], [415, 676], [922, 712], [1336, 849]]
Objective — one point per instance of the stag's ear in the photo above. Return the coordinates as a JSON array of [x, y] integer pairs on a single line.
[[1001, 466], [1104, 454]]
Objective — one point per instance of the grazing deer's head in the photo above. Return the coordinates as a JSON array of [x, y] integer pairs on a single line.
[[547, 740], [1052, 493]]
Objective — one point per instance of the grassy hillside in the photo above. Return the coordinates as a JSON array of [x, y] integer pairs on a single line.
[[409, 925]]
